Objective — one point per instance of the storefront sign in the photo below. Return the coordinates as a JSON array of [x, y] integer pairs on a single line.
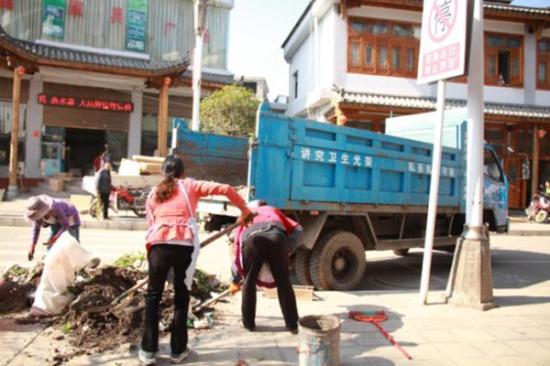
[[53, 18], [443, 42], [136, 25], [85, 103], [6, 4]]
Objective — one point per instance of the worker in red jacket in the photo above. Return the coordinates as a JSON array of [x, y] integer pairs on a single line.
[[261, 250]]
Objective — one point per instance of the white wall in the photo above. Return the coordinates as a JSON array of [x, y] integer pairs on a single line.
[[34, 128], [134, 126], [333, 65], [542, 97]]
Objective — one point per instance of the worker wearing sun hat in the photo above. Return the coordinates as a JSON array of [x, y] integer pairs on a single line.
[[60, 215]]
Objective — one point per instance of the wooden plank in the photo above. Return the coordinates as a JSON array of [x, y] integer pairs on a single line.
[[302, 292], [148, 159], [16, 99], [129, 168]]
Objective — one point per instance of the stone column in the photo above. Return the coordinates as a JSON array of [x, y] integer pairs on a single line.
[[35, 112], [134, 127]]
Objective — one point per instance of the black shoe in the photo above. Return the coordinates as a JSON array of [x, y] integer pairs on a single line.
[[250, 328], [293, 330]]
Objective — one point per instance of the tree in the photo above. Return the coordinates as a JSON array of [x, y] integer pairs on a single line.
[[230, 111]]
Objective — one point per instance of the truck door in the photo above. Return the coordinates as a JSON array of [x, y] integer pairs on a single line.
[[495, 188]]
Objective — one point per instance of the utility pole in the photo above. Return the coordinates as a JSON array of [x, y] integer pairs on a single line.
[[199, 11], [471, 282]]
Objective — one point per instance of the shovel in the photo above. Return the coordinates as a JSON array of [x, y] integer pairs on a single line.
[[118, 305]]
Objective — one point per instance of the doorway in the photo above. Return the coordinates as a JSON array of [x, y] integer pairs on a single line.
[[81, 147]]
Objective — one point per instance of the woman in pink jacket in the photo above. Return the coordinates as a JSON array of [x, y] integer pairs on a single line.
[[172, 242]]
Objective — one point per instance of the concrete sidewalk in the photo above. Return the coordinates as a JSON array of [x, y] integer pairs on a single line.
[[516, 333]]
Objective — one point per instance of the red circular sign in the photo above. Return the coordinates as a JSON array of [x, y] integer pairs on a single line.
[[442, 19]]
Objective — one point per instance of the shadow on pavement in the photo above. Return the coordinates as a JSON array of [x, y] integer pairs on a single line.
[[512, 269], [521, 300]]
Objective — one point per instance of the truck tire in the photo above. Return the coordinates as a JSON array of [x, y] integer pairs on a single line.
[[401, 252], [541, 216], [301, 266], [337, 261]]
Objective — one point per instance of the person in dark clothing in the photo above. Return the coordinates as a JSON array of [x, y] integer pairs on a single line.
[[261, 252], [103, 189]]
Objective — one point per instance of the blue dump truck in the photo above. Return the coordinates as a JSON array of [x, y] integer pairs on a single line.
[[354, 190]]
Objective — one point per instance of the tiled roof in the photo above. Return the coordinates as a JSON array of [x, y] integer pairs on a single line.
[[222, 79], [506, 8], [37, 52], [512, 110]]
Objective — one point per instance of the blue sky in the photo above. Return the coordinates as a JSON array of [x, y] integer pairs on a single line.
[[259, 27]]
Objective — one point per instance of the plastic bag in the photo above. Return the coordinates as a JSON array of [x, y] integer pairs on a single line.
[[62, 262]]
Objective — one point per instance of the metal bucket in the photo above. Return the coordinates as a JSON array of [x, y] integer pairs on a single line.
[[319, 340]]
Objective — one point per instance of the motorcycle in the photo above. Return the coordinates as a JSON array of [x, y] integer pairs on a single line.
[[539, 208], [124, 199]]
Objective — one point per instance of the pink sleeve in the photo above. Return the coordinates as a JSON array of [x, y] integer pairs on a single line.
[[288, 222], [204, 188], [149, 209]]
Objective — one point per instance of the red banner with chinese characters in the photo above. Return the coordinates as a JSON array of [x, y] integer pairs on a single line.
[[85, 103], [6, 4]]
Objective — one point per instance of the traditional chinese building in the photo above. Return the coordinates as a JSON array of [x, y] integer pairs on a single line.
[[354, 62], [98, 72]]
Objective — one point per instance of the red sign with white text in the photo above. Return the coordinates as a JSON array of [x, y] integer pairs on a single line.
[[85, 103]]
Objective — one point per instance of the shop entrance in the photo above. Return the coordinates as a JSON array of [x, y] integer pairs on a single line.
[[81, 147]]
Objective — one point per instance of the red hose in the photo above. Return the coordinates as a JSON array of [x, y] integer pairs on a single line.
[[376, 318]]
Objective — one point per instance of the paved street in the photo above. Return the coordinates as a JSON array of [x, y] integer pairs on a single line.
[[516, 333]]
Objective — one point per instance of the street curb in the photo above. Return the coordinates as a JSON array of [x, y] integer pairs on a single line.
[[129, 225], [529, 233]]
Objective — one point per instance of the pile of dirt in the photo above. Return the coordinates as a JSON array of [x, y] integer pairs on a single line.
[[89, 322], [14, 297], [16, 286]]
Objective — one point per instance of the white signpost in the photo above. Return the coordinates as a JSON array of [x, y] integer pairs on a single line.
[[443, 48]]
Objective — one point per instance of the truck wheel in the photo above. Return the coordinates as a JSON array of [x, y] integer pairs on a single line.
[[541, 216], [337, 261], [401, 252], [301, 266]]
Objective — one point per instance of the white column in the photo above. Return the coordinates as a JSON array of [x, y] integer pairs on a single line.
[[530, 65], [474, 175], [35, 114], [134, 127], [200, 22]]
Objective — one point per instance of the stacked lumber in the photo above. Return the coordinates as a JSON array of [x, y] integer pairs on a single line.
[[141, 165], [149, 164]]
